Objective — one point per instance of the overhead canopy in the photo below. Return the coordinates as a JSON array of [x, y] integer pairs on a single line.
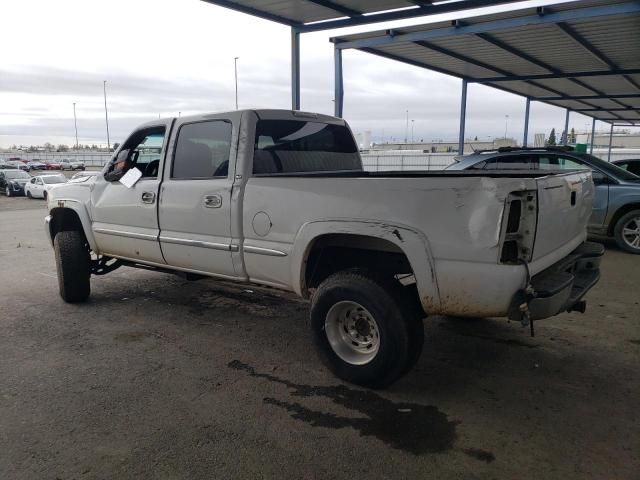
[[584, 56], [314, 15]]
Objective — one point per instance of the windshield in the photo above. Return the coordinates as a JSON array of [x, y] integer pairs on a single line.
[[611, 169], [296, 146], [52, 180], [17, 174]]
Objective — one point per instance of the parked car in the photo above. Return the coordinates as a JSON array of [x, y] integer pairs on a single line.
[[630, 165], [71, 165], [280, 198], [12, 182], [18, 164], [40, 186], [85, 174], [616, 204], [53, 166], [36, 165]]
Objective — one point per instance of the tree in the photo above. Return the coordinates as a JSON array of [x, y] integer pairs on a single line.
[[475, 139], [115, 146], [572, 136], [552, 137], [63, 148]]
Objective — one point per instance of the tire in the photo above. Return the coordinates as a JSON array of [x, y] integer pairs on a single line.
[[361, 329], [73, 265], [8, 191], [44, 196], [627, 232], [29, 194]]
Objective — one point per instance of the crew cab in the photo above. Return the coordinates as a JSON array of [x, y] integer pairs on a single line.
[[279, 198]]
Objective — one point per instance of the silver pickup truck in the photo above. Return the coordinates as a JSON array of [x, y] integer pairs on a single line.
[[280, 198]]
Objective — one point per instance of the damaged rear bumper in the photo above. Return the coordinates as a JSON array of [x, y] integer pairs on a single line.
[[562, 286]]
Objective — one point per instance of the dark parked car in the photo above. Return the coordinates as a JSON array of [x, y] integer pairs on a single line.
[[616, 203], [630, 165], [36, 165], [12, 182]]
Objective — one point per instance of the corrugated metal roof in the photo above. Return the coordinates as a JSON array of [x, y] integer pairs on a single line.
[[340, 13], [552, 52]]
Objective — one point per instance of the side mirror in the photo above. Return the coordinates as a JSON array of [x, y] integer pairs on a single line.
[[599, 178]]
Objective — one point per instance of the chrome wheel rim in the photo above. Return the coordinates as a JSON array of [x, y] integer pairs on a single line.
[[631, 232], [352, 332]]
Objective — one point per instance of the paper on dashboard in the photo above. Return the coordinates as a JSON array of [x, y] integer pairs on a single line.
[[130, 178]]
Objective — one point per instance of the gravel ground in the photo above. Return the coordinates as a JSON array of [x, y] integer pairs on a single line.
[[156, 377]]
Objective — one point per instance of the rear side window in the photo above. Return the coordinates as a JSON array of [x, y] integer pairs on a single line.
[[297, 146], [202, 150], [509, 162]]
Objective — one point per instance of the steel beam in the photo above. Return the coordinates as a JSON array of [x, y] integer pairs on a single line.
[[603, 109], [484, 27], [565, 139], [295, 69], [610, 140], [553, 76], [593, 135], [526, 122], [252, 11], [338, 83], [341, 9], [590, 97], [463, 117]]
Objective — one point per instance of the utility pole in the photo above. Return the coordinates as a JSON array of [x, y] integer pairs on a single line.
[[106, 116], [412, 122], [235, 68], [75, 123], [506, 123]]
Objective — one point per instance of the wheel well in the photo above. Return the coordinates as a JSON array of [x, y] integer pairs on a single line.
[[62, 220], [619, 213], [334, 252]]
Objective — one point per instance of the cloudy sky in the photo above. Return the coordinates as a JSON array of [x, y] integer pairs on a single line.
[[161, 57]]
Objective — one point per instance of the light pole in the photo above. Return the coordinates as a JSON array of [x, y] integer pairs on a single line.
[[506, 122], [406, 131], [75, 123], [235, 68], [106, 116], [412, 122]]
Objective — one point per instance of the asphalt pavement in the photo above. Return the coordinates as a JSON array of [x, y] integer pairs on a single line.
[[157, 377]]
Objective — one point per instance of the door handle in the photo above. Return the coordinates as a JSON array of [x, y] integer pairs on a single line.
[[148, 197], [212, 201]]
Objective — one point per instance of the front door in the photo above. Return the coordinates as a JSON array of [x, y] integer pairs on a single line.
[[126, 219], [195, 198]]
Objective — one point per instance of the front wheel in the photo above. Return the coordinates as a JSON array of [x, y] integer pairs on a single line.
[[44, 195], [73, 265], [8, 191], [29, 194], [363, 332], [627, 232]]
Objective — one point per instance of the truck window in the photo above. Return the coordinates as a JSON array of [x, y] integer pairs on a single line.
[[144, 151], [202, 150], [509, 162], [297, 146]]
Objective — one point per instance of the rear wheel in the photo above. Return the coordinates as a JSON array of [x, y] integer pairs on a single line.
[[8, 191], [44, 195], [73, 265], [362, 330], [627, 232]]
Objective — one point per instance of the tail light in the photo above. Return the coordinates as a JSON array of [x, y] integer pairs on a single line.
[[519, 227]]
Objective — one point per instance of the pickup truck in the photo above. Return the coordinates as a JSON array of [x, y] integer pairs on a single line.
[[280, 198]]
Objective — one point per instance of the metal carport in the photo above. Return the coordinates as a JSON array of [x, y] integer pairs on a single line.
[[582, 56], [316, 15]]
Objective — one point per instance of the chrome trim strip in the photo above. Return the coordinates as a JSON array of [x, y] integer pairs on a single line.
[[120, 233], [196, 243], [263, 251]]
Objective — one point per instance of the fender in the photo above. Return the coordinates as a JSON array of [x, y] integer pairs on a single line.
[[414, 244], [81, 210]]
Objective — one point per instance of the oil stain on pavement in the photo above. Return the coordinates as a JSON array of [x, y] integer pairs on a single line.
[[413, 428]]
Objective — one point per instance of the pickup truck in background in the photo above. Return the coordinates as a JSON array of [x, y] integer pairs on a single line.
[[279, 198]]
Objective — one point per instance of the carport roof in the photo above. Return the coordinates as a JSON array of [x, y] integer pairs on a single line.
[[313, 15], [584, 56]]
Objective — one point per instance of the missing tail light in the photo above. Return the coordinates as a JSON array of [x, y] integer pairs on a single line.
[[519, 227]]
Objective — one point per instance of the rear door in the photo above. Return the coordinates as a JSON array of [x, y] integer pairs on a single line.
[[195, 200], [125, 220]]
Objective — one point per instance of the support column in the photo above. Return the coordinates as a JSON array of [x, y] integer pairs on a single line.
[[295, 69], [565, 140], [526, 122], [610, 141], [463, 115], [593, 135], [338, 82]]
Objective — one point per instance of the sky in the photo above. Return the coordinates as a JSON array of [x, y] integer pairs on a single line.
[[161, 57]]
